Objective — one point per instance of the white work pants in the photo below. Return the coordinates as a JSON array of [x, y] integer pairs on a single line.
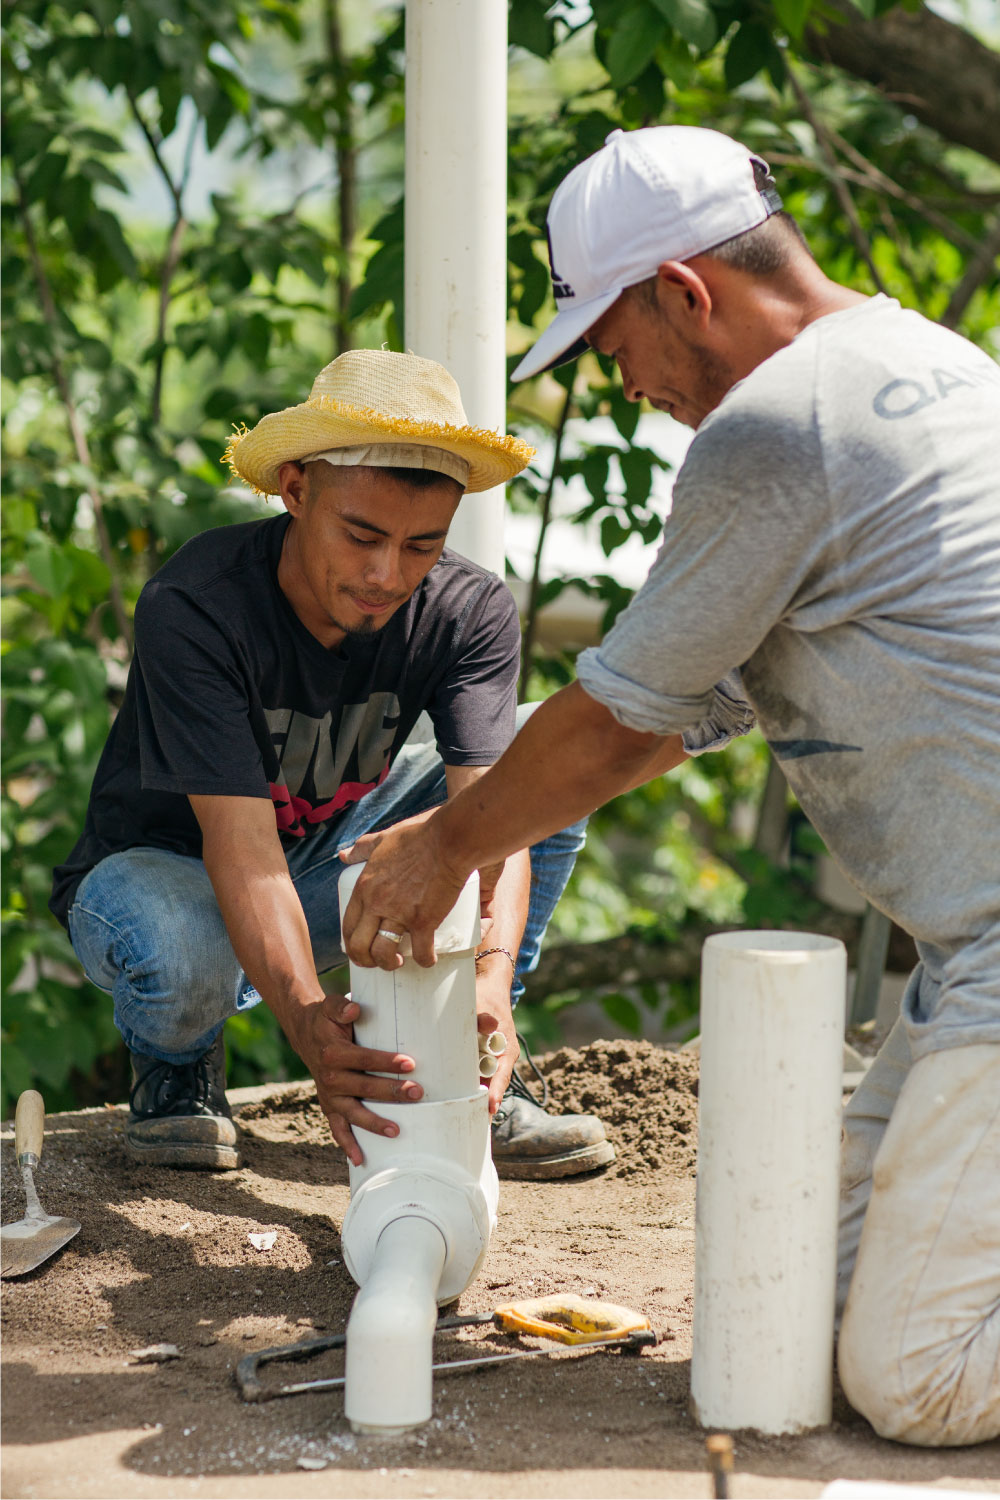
[[919, 1252]]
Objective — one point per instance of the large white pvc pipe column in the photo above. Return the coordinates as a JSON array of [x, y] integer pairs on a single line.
[[456, 222], [772, 1028]]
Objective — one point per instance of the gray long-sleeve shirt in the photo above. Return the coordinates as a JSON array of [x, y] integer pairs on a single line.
[[836, 534]]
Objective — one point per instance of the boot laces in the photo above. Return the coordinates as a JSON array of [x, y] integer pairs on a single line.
[[174, 1088], [519, 1088]]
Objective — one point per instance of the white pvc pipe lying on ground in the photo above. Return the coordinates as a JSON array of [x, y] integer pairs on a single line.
[[772, 1027]]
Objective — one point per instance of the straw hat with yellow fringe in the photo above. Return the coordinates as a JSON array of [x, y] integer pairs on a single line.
[[372, 396]]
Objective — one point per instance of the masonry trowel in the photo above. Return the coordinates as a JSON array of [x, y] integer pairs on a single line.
[[25, 1244]]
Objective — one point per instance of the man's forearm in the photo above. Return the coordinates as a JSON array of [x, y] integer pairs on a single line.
[[267, 928], [270, 936], [570, 758]]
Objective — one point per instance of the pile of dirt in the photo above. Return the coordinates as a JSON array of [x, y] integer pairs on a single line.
[[289, 1112], [647, 1098]]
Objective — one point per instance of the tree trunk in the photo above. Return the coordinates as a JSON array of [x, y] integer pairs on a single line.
[[930, 67]]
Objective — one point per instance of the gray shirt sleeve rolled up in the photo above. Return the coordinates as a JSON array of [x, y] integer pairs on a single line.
[[750, 526]]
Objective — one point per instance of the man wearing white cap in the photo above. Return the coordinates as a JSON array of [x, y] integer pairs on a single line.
[[279, 668], [830, 567]]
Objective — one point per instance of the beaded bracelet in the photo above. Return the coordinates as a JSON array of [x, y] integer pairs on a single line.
[[506, 953]]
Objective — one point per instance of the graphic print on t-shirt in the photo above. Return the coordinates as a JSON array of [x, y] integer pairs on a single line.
[[327, 766]]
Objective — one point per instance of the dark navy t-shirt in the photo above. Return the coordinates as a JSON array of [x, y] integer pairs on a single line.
[[229, 694]]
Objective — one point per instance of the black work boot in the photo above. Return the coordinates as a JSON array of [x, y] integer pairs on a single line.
[[528, 1143], [180, 1116]]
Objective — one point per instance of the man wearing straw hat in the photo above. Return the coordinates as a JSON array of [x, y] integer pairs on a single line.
[[835, 536], [279, 668]]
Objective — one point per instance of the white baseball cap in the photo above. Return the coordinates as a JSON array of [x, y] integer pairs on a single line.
[[666, 193]]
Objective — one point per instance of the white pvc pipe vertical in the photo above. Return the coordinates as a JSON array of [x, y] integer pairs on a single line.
[[423, 1202], [772, 1026], [428, 1013], [456, 222]]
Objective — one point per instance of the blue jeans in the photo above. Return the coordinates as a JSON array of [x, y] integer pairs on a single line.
[[147, 929]]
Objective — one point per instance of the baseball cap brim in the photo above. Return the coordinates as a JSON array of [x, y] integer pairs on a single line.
[[563, 339]]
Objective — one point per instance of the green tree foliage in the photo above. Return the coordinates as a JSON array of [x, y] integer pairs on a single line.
[[887, 205], [134, 338], [201, 204]]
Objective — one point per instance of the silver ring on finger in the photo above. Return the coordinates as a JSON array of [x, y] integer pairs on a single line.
[[389, 935]]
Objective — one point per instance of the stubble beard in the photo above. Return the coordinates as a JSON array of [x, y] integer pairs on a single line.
[[364, 631], [360, 632], [714, 379], [367, 627]]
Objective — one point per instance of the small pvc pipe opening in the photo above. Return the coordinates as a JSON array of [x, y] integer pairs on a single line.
[[495, 1043]]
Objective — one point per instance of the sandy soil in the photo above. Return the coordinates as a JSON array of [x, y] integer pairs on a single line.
[[165, 1257]]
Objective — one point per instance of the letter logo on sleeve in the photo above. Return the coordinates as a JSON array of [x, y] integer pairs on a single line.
[[901, 398]]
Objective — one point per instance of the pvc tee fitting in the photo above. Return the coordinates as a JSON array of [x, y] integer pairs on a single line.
[[423, 1203]]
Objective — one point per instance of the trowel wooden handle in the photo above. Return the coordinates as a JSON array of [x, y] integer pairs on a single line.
[[29, 1124]]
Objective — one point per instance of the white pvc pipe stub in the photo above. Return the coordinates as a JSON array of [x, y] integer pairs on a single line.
[[390, 1335], [772, 1024]]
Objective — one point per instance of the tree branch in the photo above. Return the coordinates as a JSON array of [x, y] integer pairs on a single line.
[[169, 266], [839, 185], [77, 433], [531, 613], [345, 145], [155, 141], [166, 277], [934, 69], [982, 262], [877, 182], [771, 833]]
